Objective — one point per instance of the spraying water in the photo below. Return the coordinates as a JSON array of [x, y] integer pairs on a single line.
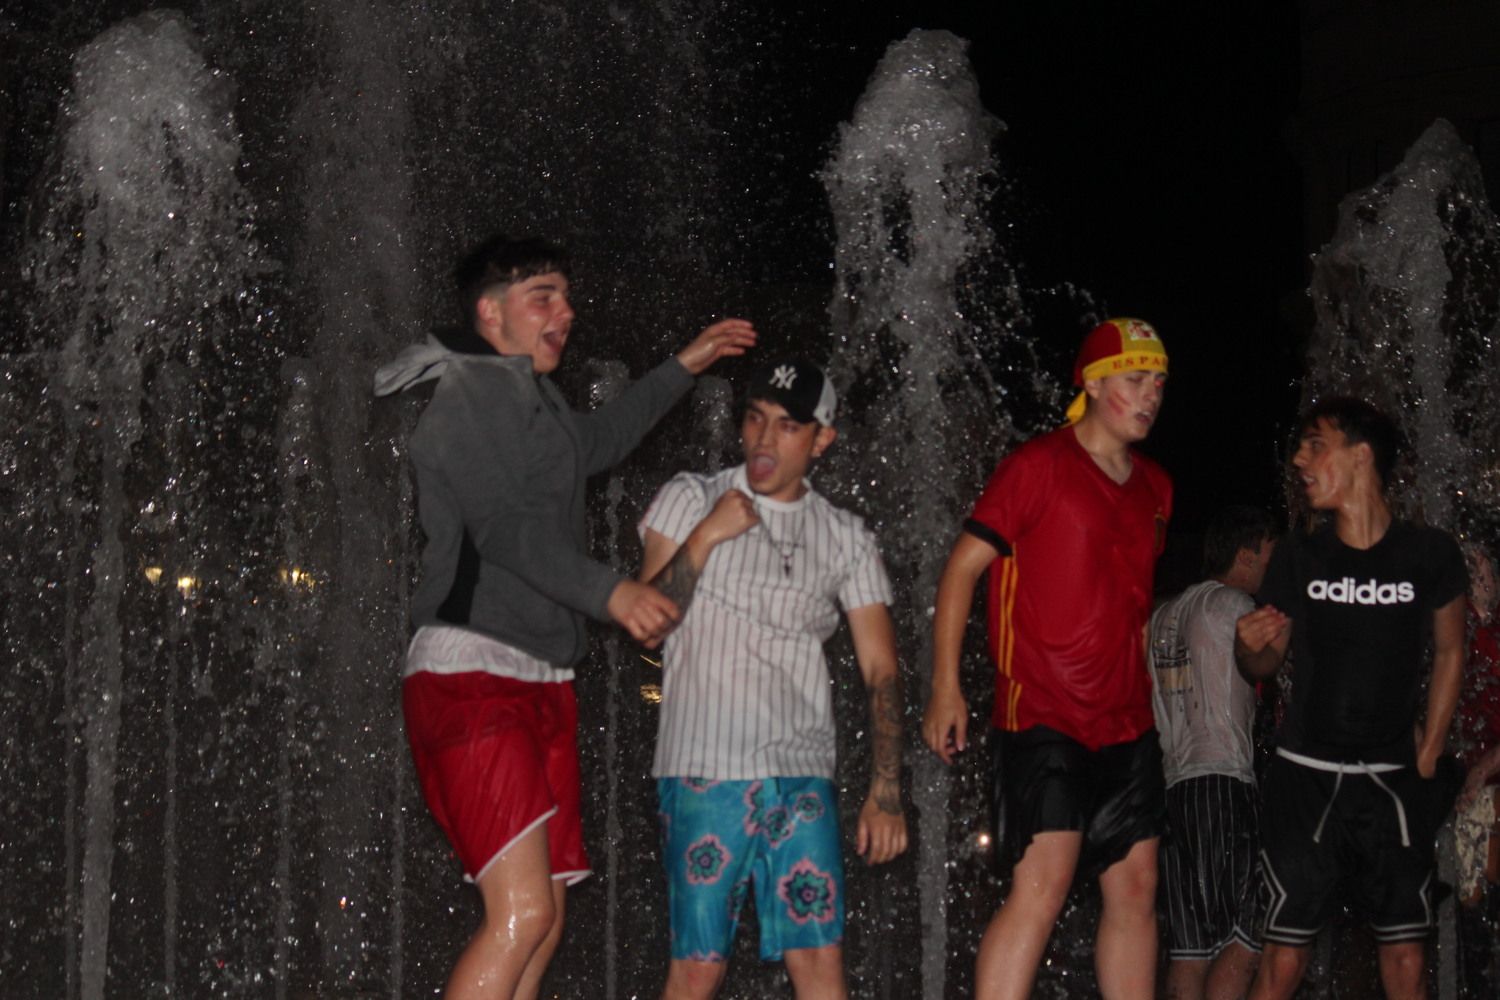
[[146, 162], [1406, 315], [909, 185]]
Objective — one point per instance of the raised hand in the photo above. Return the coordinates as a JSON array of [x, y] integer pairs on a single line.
[[725, 339]]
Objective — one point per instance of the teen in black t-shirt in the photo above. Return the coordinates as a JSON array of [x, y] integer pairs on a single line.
[[1346, 797]]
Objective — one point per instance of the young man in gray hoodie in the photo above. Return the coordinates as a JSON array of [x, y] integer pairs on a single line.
[[506, 581]]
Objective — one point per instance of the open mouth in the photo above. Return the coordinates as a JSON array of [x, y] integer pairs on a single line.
[[760, 466]]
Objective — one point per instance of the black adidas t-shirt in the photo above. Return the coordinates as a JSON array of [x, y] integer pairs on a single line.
[[1360, 624]]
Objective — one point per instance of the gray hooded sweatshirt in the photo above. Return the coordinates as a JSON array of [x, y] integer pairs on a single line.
[[501, 463]]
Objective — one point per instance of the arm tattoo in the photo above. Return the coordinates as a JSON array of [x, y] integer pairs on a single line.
[[885, 719], [678, 579]]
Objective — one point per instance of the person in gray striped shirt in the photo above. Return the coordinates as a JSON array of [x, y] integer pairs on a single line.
[[760, 563], [1205, 713]]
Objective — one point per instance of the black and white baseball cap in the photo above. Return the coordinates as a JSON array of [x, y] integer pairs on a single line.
[[799, 386]]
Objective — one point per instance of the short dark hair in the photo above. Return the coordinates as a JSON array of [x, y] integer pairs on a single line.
[[502, 261], [1361, 423], [1232, 529]]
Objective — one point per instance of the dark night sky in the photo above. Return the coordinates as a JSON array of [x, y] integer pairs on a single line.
[[1147, 160]]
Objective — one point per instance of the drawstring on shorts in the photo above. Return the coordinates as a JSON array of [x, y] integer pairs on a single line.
[[1374, 771]]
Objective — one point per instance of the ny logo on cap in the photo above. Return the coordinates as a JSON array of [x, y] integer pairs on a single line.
[[784, 376]]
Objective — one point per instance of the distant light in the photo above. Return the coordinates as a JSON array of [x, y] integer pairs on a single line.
[[153, 574], [982, 841], [651, 694], [294, 576], [187, 584]]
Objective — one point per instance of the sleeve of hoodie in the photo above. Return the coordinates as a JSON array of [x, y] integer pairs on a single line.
[[609, 433], [484, 463]]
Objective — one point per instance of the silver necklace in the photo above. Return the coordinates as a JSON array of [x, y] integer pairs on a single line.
[[788, 549]]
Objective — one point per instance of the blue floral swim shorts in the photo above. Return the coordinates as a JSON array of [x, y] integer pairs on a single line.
[[777, 835]]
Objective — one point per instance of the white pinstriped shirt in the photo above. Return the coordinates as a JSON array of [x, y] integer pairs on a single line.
[[746, 692]]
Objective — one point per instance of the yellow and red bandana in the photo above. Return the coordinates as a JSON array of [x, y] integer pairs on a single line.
[[1115, 347]]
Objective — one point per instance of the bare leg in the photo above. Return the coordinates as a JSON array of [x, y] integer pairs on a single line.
[[1403, 971], [1281, 969], [520, 912], [817, 973], [531, 979], [692, 980], [1185, 978], [1017, 935], [1125, 953], [1230, 973]]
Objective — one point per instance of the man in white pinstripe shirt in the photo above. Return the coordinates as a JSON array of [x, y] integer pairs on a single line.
[[761, 564]]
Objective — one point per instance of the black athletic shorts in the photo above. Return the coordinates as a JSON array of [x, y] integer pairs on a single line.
[[1210, 866], [1046, 781], [1364, 837]]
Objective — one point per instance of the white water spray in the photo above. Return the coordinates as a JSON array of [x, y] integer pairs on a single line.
[[147, 161], [908, 189]]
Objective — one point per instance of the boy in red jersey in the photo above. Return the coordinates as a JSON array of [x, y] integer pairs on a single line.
[[1069, 528]]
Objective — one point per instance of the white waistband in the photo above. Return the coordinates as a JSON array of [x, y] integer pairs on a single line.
[[1329, 765], [1372, 771]]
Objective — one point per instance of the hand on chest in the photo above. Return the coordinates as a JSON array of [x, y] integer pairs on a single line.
[[782, 571]]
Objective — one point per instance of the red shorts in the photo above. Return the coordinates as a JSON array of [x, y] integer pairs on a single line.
[[496, 757]]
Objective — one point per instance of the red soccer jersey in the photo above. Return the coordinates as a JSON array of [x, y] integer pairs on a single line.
[[1068, 604]]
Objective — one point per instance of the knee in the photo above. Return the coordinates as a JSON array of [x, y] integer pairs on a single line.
[[1401, 967], [1131, 883], [1282, 967], [528, 924], [1139, 886], [690, 980], [1042, 898], [1043, 876], [824, 964]]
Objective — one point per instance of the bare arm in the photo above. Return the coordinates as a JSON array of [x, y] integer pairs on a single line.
[[1447, 679], [1260, 642], [674, 569], [882, 826], [945, 722]]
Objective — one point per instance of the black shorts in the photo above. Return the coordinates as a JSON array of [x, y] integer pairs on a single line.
[[1367, 837], [1046, 781], [1211, 866]]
